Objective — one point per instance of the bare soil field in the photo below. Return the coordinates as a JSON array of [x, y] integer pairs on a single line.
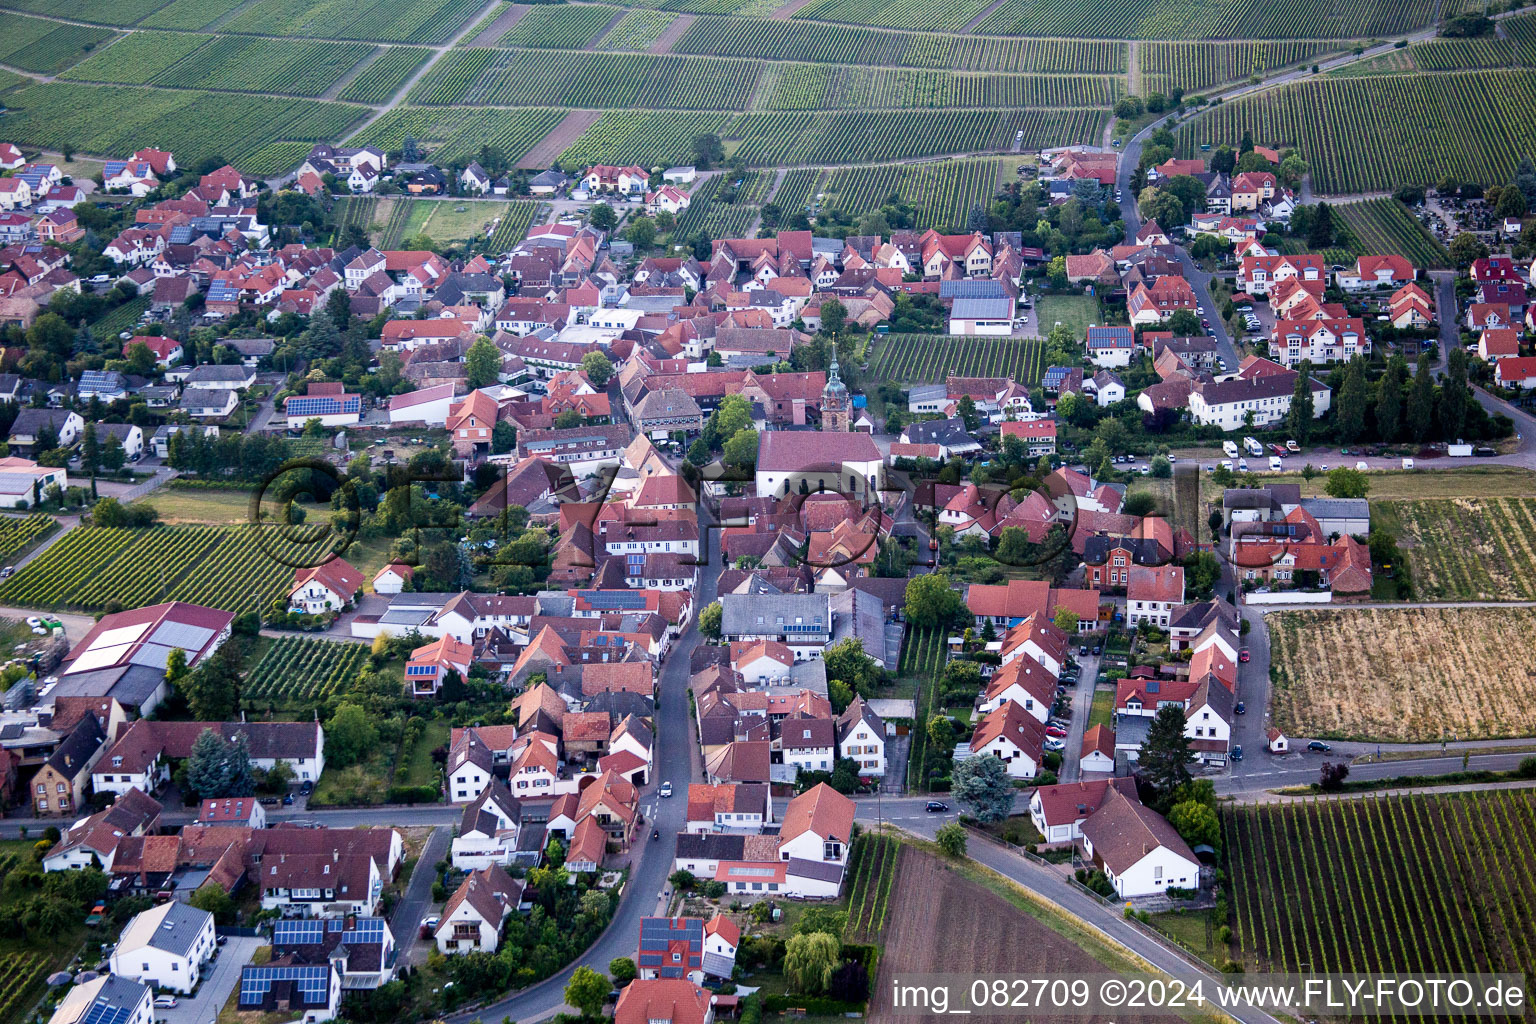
[[788, 10], [1403, 675], [672, 33], [940, 921], [559, 139], [501, 26]]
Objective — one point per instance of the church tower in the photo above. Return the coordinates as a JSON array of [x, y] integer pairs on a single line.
[[834, 400]]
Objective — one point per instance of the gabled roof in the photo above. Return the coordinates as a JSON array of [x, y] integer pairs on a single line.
[[1123, 831], [820, 810]]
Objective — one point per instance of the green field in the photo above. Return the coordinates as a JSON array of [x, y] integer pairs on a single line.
[[588, 80], [1179, 19], [637, 30], [559, 26], [390, 21], [1075, 311], [1385, 226], [1191, 66], [450, 220], [33, 44], [827, 86], [930, 358], [298, 67], [1403, 129], [944, 192], [457, 134], [384, 77]]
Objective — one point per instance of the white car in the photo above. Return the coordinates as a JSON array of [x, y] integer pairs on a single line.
[[165, 1001], [1055, 744], [666, 789]]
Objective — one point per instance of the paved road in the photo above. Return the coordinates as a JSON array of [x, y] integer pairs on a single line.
[[220, 980], [1082, 705], [413, 905]]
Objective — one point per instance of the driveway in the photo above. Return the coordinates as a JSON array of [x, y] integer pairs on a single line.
[[406, 922], [218, 983], [1082, 706]]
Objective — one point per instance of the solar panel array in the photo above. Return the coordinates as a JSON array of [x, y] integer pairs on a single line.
[[365, 931], [298, 932], [613, 599], [181, 634], [311, 982], [322, 405], [102, 1012]]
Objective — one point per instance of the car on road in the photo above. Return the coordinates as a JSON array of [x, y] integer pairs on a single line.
[[1237, 753], [1240, 708], [5, 573], [1055, 730], [1242, 654], [428, 926], [1324, 467], [936, 806], [1055, 744], [666, 789], [1319, 746]]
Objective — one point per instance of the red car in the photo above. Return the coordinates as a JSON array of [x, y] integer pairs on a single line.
[[1242, 655], [1055, 730]]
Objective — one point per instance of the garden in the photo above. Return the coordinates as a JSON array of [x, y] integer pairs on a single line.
[[1431, 883], [1455, 673]]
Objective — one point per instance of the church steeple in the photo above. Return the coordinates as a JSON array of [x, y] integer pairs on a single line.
[[834, 400]]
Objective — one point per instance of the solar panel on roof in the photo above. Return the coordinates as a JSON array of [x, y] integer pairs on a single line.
[[614, 599], [151, 656], [188, 637], [365, 930], [106, 1013], [298, 932]]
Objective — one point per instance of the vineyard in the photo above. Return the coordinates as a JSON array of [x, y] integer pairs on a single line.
[[589, 80], [1186, 19], [825, 86], [1191, 66], [1485, 52], [294, 670], [92, 567], [136, 59], [512, 227], [922, 658], [384, 77], [637, 30], [1375, 133], [1478, 549], [459, 134], [298, 67], [353, 211], [46, 46], [1424, 883], [194, 125], [389, 21], [121, 319], [930, 358], [871, 877], [19, 532], [393, 233], [190, 14], [1383, 226], [642, 136], [797, 189], [21, 982], [715, 217], [558, 26], [944, 193], [1461, 671], [909, 14], [765, 39], [104, 12]]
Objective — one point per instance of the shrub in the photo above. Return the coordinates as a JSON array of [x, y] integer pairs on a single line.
[[1224, 934]]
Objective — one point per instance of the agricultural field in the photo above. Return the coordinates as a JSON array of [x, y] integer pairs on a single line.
[[944, 192], [387, 21], [100, 12], [123, 318], [137, 58], [458, 134], [908, 14], [828, 86], [190, 14], [512, 227], [297, 67], [930, 358], [384, 77], [195, 125], [871, 876], [1428, 882], [450, 220], [354, 210], [921, 660], [19, 532], [637, 30], [21, 983], [1480, 124], [33, 44], [798, 189], [392, 234], [1183, 19], [1381, 226], [589, 80], [1471, 549], [646, 137], [559, 26], [302, 670], [1484, 52], [1192, 66], [223, 567], [1331, 681], [842, 44]]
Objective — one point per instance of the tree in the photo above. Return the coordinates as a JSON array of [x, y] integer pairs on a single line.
[[1332, 775], [482, 364], [1320, 234], [1466, 248], [598, 368], [1389, 399], [641, 233], [1344, 482], [734, 413], [503, 437], [1163, 207], [1139, 504], [931, 603], [1421, 403], [847, 661], [112, 455], [809, 961], [710, 618], [1223, 161], [586, 991], [982, 786], [1165, 756], [351, 735], [567, 419], [741, 449], [218, 769], [834, 316], [90, 451], [623, 970], [1455, 398], [707, 150], [1349, 407], [951, 839], [1292, 169], [1190, 193], [1299, 418], [210, 897], [602, 217], [966, 410], [213, 689], [1184, 323], [1196, 823], [1511, 203]]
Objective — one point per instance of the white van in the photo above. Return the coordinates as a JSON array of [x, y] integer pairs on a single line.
[[1407, 463], [1230, 447], [1242, 465], [1274, 463]]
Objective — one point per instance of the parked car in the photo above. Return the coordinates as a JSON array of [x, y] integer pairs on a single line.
[[1240, 708], [1098, 649], [1055, 744], [165, 1002], [428, 926], [1242, 654], [1055, 730], [1319, 746], [1082, 651], [1237, 753], [936, 807], [7, 571]]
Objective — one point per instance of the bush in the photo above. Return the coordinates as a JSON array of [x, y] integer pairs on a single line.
[[1526, 769], [412, 795], [1224, 934]]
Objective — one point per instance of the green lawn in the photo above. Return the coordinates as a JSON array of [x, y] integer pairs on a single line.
[[416, 767], [451, 220], [197, 505], [1103, 712], [1075, 311]]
